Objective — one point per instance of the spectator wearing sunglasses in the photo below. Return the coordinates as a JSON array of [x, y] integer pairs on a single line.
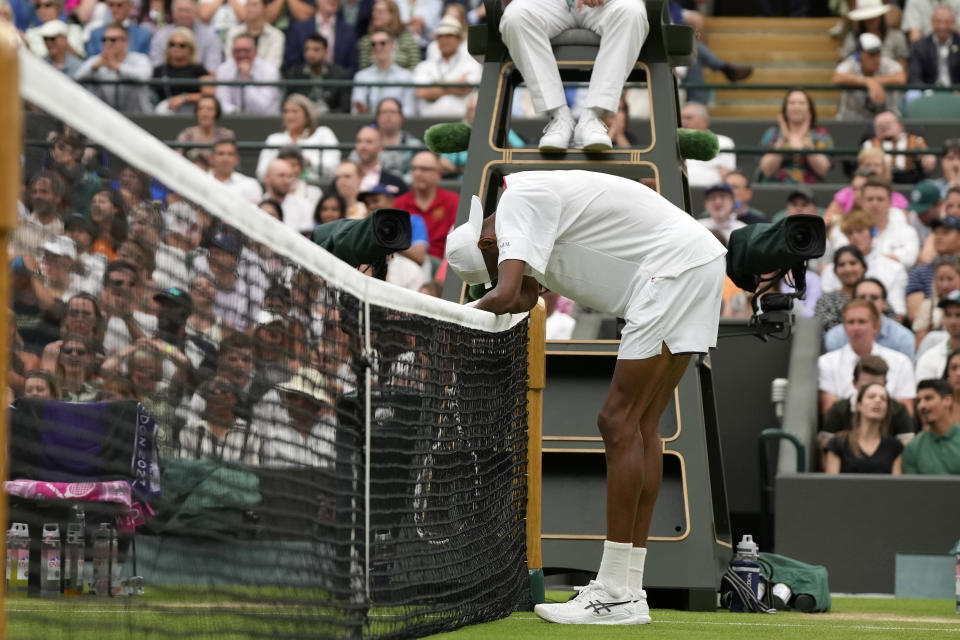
[[383, 70], [207, 49], [75, 370], [139, 37], [180, 62], [117, 62], [50, 11], [126, 322], [54, 35]]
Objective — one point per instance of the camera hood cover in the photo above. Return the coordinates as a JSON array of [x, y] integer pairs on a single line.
[[766, 248], [365, 241]]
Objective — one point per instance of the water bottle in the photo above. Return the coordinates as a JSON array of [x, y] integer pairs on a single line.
[[116, 584], [101, 560], [18, 560], [746, 564], [50, 560], [73, 561]]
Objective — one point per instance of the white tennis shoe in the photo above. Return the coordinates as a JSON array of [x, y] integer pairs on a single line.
[[557, 134], [593, 605], [591, 135], [641, 610]]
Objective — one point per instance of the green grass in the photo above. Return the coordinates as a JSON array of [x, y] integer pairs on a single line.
[[190, 613], [850, 618]]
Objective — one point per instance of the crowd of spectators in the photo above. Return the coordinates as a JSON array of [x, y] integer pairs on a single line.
[[232, 41], [105, 268]]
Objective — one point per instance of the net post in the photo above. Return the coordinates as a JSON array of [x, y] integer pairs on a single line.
[[11, 122], [537, 372]]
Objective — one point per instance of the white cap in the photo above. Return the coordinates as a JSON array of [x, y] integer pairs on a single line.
[[870, 42], [268, 317], [179, 218], [52, 29], [463, 254], [61, 246]]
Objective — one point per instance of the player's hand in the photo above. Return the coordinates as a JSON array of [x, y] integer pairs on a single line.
[[589, 3]]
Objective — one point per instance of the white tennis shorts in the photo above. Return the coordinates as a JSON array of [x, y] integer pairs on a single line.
[[682, 312]]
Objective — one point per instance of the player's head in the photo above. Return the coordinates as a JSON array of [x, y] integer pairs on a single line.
[[472, 247]]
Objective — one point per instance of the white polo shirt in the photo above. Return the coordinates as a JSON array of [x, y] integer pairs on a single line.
[[284, 446], [243, 185], [596, 238], [836, 372]]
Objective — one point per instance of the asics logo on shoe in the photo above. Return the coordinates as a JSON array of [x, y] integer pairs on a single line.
[[599, 607]]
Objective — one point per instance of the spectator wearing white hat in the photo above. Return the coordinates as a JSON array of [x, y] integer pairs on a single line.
[[49, 11], [305, 436], [52, 280], [54, 34], [874, 16], [867, 69], [453, 65]]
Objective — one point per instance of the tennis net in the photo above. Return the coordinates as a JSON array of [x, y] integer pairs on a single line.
[[247, 437]]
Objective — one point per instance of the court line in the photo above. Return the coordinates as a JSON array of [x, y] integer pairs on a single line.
[[812, 624]]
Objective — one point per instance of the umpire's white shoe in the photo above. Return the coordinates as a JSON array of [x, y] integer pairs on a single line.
[[591, 135], [593, 605], [557, 134], [641, 610]]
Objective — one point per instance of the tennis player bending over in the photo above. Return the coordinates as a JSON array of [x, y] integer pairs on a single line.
[[616, 246]]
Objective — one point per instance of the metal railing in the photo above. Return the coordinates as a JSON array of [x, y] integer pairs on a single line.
[[349, 146], [740, 86]]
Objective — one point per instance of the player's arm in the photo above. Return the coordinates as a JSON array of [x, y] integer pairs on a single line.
[[514, 293]]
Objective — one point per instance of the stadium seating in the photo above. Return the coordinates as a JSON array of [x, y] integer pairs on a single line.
[[934, 106]]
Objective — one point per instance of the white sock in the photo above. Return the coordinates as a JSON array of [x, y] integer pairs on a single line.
[[614, 567], [635, 575], [561, 112]]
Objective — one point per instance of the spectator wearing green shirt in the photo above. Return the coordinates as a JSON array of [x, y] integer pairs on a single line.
[[936, 449]]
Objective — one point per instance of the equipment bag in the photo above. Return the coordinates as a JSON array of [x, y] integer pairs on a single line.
[[802, 578]]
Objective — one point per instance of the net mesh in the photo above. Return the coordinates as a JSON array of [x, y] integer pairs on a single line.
[[259, 441]]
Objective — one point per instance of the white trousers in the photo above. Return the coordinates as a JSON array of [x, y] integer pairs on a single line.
[[528, 25]]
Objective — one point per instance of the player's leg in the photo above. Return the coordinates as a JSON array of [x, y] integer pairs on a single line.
[[623, 27], [608, 600], [653, 447], [526, 27], [634, 388], [653, 476]]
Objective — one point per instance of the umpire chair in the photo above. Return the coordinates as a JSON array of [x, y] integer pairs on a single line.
[[690, 540]]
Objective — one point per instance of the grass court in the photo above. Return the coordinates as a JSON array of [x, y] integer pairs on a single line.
[[153, 617]]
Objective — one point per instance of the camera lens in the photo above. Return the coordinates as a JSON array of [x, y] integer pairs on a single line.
[[799, 237], [805, 236], [391, 227]]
